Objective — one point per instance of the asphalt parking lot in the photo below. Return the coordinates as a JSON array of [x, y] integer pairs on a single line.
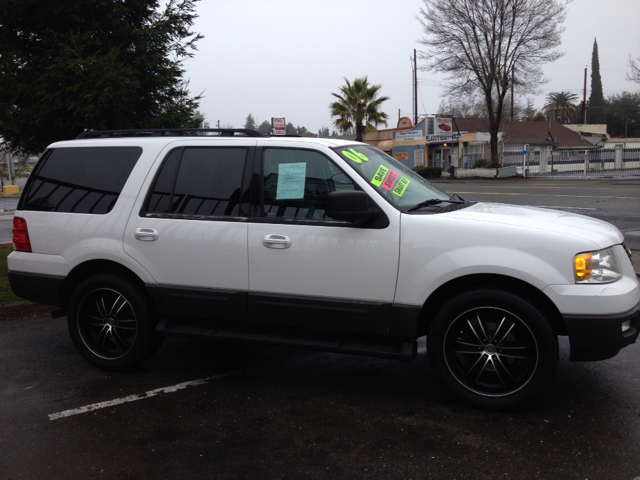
[[200, 409]]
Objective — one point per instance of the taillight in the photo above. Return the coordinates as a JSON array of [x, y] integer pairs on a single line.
[[21, 235]]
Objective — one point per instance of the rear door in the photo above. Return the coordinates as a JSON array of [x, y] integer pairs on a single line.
[[190, 230]]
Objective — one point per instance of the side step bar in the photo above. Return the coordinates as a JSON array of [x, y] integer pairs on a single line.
[[394, 349]]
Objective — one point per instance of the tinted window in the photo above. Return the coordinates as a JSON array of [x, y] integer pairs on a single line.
[[80, 180], [296, 183], [199, 181]]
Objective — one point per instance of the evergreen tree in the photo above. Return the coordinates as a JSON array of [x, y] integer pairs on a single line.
[[71, 65], [595, 112], [622, 114], [265, 128], [250, 122]]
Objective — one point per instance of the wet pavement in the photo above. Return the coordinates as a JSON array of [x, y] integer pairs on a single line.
[[228, 411], [200, 409]]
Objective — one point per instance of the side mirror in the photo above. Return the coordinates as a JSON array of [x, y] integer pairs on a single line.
[[350, 205]]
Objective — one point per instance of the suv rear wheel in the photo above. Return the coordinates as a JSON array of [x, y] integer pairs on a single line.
[[111, 323], [492, 349]]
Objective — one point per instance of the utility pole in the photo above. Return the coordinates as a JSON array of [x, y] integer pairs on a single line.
[[584, 99], [415, 88]]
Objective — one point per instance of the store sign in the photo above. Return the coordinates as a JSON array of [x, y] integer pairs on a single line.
[[402, 156], [441, 138], [278, 126], [409, 136], [443, 126]]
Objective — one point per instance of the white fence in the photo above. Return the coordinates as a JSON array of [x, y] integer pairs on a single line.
[[602, 163]]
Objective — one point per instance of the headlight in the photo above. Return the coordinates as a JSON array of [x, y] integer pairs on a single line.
[[596, 267]]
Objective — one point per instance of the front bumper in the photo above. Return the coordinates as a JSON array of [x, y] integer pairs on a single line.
[[598, 337]]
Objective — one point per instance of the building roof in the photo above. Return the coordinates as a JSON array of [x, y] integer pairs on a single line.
[[528, 132]]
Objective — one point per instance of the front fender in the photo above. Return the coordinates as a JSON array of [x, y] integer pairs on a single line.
[[436, 249]]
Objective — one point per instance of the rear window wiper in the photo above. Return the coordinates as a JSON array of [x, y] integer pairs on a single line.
[[433, 201]]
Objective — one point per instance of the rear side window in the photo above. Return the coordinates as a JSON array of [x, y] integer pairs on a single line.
[[79, 180], [202, 182]]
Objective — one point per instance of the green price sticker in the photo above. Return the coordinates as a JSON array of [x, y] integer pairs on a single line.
[[402, 185], [355, 156], [378, 178]]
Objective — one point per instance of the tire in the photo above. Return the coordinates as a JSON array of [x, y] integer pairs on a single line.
[[111, 323], [492, 349]]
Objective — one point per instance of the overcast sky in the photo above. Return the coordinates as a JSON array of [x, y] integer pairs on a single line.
[[284, 58]]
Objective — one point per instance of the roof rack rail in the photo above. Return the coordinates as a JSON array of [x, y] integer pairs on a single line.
[[169, 132]]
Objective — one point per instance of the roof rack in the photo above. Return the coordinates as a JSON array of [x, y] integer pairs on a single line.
[[170, 132]]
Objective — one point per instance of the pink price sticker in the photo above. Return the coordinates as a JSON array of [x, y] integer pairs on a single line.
[[390, 180]]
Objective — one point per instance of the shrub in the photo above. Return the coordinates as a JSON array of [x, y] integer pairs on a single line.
[[484, 163], [428, 172], [481, 163]]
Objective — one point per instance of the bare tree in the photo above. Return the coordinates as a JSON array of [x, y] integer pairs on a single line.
[[486, 46], [634, 74]]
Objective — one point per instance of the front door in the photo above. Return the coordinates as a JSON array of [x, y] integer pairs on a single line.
[[306, 270]]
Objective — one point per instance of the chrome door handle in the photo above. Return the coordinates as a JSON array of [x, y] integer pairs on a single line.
[[276, 241], [146, 234]]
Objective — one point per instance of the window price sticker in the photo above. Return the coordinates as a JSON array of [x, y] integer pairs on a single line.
[[402, 185], [378, 178], [390, 180]]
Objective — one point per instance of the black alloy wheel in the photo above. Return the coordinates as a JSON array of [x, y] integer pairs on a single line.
[[492, 349], [111, 323]]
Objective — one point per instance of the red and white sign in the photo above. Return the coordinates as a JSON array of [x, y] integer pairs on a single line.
[[443, 126], [277, 123], [279, 131]]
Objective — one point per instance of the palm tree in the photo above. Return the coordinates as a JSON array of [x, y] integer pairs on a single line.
[[358, 106], [560, 107]]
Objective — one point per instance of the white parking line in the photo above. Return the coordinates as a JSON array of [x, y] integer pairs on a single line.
[[135, 397]]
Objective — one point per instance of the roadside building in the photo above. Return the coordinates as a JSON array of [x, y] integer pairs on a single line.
[[383, 139], [441, 141]]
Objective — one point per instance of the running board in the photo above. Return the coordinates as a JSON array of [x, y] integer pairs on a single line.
[[384, 348]]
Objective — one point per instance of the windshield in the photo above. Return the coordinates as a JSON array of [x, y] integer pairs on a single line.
[[399, 185]]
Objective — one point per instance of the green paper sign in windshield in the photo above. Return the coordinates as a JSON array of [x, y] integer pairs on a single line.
[[355, 156]]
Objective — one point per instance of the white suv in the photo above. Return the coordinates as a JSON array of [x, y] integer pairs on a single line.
[[315, 243]]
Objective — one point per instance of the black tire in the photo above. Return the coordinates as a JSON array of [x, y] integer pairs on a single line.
[[111, 323], [492, 349]]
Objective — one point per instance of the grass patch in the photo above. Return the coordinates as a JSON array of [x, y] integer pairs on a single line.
[[6, 295]]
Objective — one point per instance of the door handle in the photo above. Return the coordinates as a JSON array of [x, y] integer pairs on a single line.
[[276, 241], [146, 234]]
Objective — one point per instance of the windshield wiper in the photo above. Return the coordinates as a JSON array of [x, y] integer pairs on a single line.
[[433, 201]]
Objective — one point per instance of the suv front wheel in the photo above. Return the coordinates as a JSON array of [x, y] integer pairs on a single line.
[[111, 323], [492, 349]]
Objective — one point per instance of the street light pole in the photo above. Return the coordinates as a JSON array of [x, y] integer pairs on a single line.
[[625, 127]]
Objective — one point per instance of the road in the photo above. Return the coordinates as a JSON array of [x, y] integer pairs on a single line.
[[207, 410], [617, 202]]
